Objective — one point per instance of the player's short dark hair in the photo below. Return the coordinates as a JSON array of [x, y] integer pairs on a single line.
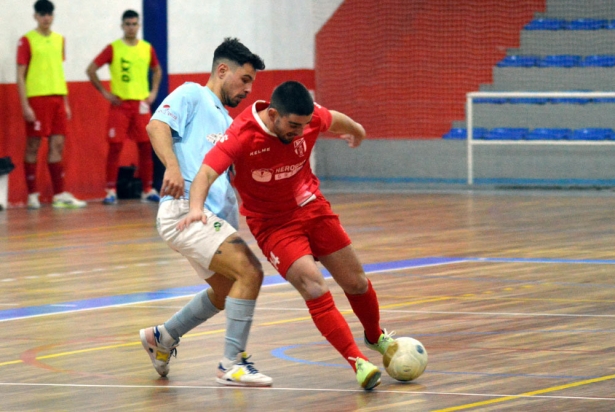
[[292, 98], [232, 49], [130, 14], [43, 7]]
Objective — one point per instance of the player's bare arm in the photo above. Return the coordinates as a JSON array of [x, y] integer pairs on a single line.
[[28, 113], [156, 78], [198, 193], [349, 130], [162, 142], [95, 80]]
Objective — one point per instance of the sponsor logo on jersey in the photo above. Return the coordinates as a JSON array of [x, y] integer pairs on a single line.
[[215, 137], [285, 172], [259, 151], [262, 175], [300, 147], [166, 111]]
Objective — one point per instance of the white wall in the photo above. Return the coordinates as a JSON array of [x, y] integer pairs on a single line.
[[280, 31]]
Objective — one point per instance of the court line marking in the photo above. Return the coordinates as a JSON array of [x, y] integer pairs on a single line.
[[303, 389], [528, 394], [182, 292]]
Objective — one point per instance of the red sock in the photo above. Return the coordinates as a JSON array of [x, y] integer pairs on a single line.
[[30, 171], [113, 161], [56, 172], [146, 165], [366, 308], [333, 327]]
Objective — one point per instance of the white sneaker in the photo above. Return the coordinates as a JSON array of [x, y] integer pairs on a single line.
[[66, 200], [110, 198], [33, 202], [153, 341], [242, 373], [151, 196]]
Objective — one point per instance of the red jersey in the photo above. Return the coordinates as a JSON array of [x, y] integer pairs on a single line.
[[271, 177]]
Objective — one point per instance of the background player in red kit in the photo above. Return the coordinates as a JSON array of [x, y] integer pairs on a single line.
[[130, 60], [270, 146]]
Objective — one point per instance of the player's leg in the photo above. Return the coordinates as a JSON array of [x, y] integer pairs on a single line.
[[33, 143], [118, 122], [144, 147], [236, 261], [333, 247], [347, 271], [35, 131]]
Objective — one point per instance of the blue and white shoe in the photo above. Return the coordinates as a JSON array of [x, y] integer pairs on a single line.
[[242, 373], [151, 196], [110, 198], [153, 341]]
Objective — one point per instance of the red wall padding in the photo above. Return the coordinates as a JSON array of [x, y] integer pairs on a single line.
[[86, 145], [402, 67]]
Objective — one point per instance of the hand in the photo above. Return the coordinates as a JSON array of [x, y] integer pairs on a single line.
[[172, 183], [150, 99], [352, 140], [194, 215], [28, 114], [116, 101]]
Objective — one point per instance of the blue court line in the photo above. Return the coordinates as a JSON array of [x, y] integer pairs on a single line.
[[174, 293]]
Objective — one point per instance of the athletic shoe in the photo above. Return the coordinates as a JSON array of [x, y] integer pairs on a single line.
[[368, 374], [66, 200], [383, 343], [242, 373], [110, 198], [160, 354], [151, 196], [33, 202]]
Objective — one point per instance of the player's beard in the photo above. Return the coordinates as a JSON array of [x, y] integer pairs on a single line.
[[283, 137]]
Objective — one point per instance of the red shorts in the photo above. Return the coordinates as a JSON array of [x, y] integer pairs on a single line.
[[128, 120], [310, 230], [51, 118]]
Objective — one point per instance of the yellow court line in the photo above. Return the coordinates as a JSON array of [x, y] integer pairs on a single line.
[[527, 394], [119, 345]]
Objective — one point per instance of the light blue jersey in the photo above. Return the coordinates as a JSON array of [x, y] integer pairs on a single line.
[[198, 119]]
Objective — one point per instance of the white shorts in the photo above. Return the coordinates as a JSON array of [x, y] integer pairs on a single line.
[[199, 242]]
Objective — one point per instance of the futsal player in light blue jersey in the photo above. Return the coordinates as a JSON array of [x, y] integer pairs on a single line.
[[185, 126]]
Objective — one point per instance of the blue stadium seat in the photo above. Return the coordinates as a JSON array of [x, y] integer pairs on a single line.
[[569, 100], [592, 133], [598, 60], [507, 133], [544, 133], [559, 60], [545, 24], [462, 133], [528, 100], [490, 100], [587, 24], [518, 61]]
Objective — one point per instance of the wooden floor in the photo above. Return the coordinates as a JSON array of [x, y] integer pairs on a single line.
[[512, 293]]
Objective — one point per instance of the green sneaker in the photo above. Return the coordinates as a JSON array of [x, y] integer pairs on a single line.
[[368, 374], [383, 343]]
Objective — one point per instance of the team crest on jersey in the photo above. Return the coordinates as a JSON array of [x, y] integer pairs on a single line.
[[300, 147], [262, 175]]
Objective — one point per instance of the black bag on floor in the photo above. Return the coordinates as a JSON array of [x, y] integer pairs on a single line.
[[128, 186]]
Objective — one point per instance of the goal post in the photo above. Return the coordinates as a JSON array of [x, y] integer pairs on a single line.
[[471, 142]]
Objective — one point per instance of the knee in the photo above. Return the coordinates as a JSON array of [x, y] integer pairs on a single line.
[[251, 271], [356, 286]]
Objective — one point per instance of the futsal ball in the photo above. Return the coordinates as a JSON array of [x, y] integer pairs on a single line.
[[405, 359]]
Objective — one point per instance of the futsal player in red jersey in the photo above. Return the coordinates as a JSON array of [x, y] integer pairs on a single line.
[[269, 145]]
